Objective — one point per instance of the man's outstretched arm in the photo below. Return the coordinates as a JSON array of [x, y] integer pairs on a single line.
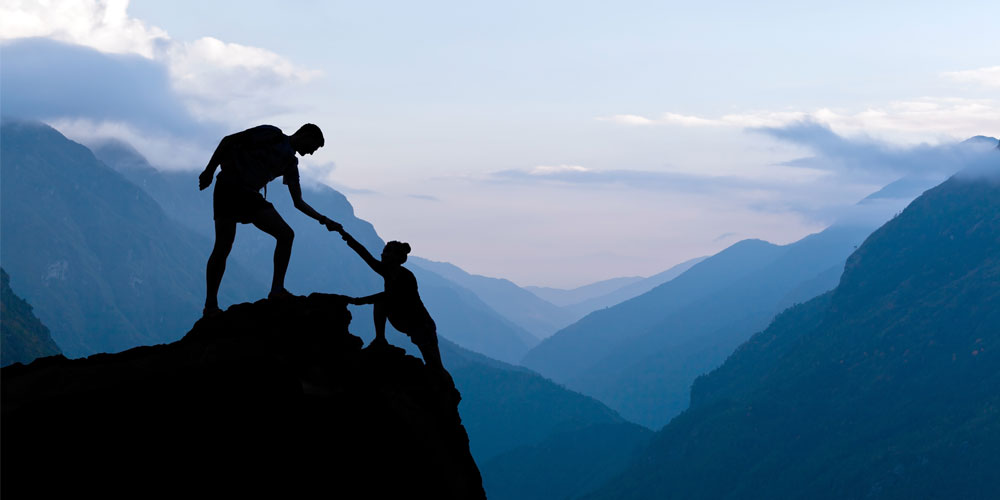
[[205, 179], [296, 191]]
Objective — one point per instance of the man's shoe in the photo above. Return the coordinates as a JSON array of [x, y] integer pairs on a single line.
[[279, 294], [378, 343]]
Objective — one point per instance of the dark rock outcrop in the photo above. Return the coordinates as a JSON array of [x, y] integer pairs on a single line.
[[274, 396]]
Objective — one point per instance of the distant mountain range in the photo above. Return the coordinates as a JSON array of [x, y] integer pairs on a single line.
[[885, 387], [641, 356], [567, 297], [104, 267], [544, 311], [660, 366], [583, 300], [535, 315]]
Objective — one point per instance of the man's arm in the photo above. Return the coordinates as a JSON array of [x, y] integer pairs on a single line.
[[205, 179], [296, 191]]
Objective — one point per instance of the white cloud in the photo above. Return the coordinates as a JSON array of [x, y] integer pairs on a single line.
[[664, 119], [666, 181], [228, 79], [214, 78], [103, 25], [170, 152], [928, 119], [556, 169], [987, 77]]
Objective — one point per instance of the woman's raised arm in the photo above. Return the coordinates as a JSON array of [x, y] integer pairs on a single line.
[[358, 248]]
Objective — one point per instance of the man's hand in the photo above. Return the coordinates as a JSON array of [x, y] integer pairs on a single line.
[[332, 225], [205, 179]]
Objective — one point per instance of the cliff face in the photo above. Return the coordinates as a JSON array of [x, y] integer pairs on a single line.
[[270, 396], [22, 336]]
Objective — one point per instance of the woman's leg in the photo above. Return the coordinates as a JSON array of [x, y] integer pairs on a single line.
[[378, 313], [427, 342]]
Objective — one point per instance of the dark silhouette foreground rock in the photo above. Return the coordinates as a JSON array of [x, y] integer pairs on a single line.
[[274, 396]]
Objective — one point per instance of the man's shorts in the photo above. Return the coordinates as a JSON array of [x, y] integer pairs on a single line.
[[234, 203]]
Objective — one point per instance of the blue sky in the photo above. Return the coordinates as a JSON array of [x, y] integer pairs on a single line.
[[552, 143]]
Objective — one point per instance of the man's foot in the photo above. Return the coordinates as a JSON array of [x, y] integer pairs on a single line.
[[210, 311], [279, 294]]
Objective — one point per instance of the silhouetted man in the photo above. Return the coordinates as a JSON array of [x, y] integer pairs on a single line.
[[249, 160]]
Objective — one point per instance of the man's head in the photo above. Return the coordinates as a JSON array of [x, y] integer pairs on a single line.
[[307, 139]]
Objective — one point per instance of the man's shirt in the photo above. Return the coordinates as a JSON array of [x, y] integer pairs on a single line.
[[259, 155]]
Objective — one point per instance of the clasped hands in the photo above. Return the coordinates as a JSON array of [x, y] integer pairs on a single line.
[[335, 226], [331, 225]]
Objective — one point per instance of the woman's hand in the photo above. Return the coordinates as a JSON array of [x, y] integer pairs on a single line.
[[331, 225]]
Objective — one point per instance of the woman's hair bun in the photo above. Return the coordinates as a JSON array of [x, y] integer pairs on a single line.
[[400, 248]]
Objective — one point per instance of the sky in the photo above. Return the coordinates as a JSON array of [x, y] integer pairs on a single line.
[[550, 143]]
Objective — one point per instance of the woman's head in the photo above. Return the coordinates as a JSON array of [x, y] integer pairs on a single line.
[[395, 252]]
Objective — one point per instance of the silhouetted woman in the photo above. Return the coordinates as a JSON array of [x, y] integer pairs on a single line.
[[399, 302]]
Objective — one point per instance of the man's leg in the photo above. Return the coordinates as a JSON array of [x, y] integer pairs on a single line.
[[269, 221], [225, 233]]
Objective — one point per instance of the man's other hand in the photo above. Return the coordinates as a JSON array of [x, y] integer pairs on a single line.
[[205, 179]]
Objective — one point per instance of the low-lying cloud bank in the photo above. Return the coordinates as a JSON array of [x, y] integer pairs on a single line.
[[933, 120], [838, 164], [864, 157]]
